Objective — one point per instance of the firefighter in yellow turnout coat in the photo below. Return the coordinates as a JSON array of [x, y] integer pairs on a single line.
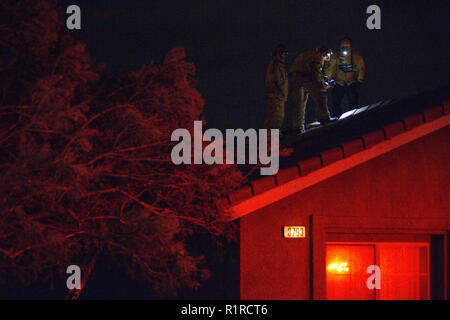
[[307, 78], [348, 70], [276, 88]]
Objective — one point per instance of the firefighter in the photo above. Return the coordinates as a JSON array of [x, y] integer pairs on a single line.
[[347, 69], [276, 88], [307, 77]]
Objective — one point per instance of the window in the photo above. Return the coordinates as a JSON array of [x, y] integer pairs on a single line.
[[404, 270]]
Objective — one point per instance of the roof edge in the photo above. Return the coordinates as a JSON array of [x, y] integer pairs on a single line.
[[302, 182]]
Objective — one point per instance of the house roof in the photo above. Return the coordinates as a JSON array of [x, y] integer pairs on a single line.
[[358, 136]]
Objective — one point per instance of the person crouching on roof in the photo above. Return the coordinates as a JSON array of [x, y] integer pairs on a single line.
[[308, 78]]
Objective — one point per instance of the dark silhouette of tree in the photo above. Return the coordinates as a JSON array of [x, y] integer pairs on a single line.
[[85, 160]]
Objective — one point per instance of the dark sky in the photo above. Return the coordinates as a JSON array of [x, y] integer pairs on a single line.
[[230, 42]]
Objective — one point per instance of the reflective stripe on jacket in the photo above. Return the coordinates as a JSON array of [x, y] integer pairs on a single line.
[[346, 70]]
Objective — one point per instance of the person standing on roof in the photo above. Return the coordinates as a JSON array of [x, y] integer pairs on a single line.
[[276, 88], [348, 70], [308, 78]]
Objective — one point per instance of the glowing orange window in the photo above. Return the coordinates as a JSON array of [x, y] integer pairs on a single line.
[[403, 271]]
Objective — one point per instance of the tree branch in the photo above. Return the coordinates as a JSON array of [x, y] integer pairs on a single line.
[[98, 115], [135, 257], [155, 211]]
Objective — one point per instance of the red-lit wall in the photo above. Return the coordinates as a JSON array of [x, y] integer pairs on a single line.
[[409, 182]]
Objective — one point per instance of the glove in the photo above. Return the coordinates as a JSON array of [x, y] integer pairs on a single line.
[[331, 83]]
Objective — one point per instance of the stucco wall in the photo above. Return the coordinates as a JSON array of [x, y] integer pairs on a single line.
[[409, 182]]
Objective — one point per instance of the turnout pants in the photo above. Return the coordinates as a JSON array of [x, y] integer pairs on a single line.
[[338, 93], [275, 112], [301, 89]]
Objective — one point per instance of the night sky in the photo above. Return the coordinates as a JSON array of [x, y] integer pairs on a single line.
[[231, 41]]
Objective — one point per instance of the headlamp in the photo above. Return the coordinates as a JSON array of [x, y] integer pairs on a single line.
[[345, 51]]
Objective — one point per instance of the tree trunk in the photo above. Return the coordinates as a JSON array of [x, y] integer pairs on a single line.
[[74, 294]]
